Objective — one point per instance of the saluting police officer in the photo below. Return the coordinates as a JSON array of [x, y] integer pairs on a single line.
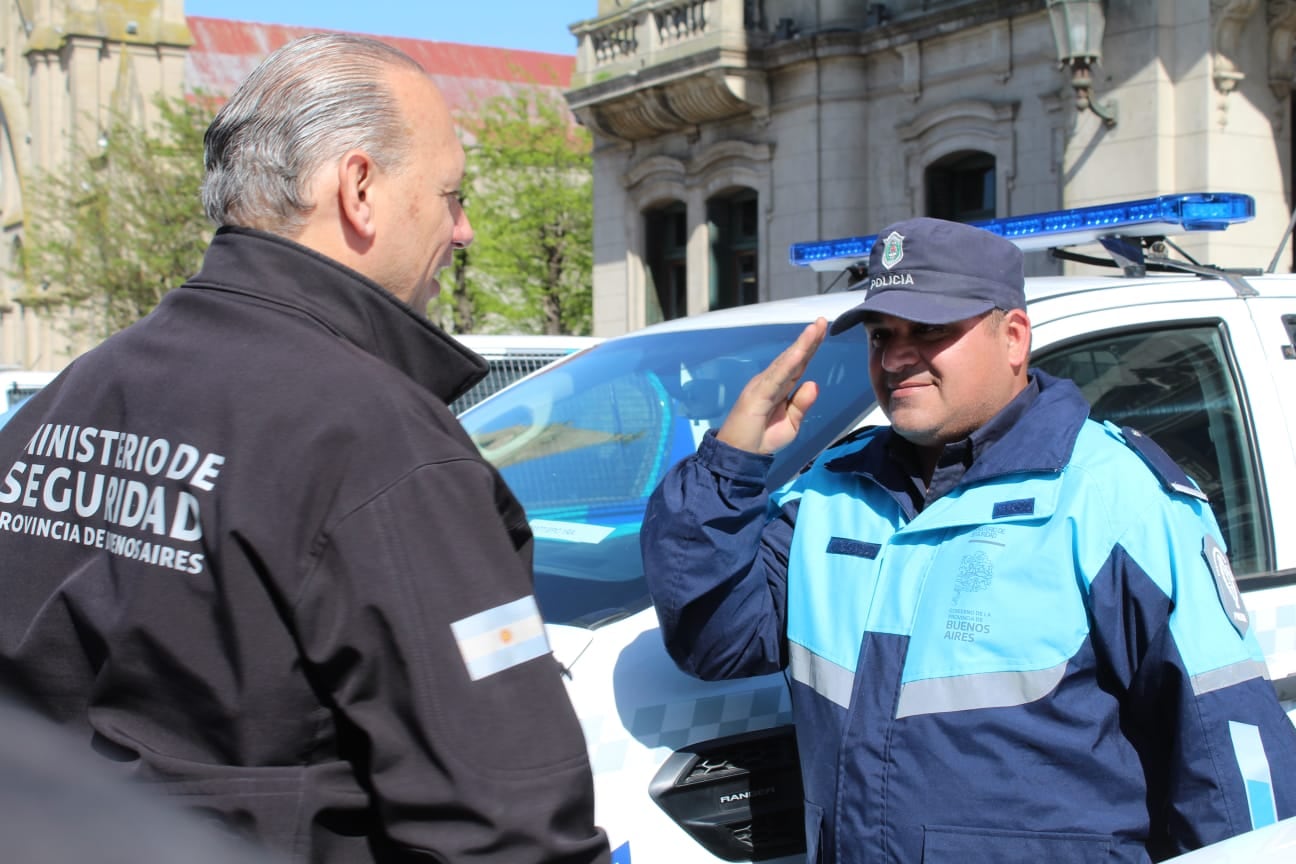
[[1008, 628]]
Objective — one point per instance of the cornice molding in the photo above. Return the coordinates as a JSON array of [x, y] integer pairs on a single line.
[[664, 168], [975, 112]]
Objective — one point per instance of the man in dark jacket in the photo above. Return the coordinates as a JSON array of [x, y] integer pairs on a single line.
[[248, 552]]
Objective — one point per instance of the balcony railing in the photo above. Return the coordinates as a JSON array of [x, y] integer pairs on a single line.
[[680, 22], [657, 31]]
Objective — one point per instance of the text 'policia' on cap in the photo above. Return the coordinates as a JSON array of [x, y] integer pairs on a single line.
[[936, 272]]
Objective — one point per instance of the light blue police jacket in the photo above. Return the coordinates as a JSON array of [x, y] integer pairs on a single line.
[[1049, 663]]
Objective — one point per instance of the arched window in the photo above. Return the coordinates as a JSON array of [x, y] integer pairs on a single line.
[[960, 159], [961, 186], [666, 232], [735, 240]]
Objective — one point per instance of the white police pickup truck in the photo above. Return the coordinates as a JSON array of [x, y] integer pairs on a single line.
[[1203, 360]]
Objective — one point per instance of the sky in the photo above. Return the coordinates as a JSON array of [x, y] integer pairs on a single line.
[[531, 25]]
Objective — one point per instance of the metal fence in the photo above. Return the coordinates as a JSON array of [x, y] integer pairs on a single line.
[[504, 370]]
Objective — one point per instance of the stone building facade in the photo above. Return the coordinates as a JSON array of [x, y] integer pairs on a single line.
[[727, 130], [67, 66]]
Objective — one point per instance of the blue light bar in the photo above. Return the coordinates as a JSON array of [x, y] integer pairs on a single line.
[[1165, 215]]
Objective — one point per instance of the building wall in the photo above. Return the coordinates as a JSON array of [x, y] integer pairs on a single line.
[[846, 106], [67, 65]]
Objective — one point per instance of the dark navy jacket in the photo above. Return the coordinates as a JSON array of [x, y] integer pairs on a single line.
[[248, 553], [1047, 663]]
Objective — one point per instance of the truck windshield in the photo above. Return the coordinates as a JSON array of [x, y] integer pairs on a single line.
[[584, 443]]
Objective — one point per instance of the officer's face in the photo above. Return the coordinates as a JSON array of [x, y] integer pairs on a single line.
[[937, 383]]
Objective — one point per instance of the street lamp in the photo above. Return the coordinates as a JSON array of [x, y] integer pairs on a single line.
[[1078, 33]]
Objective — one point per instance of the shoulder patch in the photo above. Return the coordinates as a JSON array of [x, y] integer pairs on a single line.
[[1172, 477], [1225, 584], [500, 638]]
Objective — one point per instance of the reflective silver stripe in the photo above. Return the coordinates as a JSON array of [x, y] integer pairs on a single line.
[[984, 690], [829, 680], [1227, 676]]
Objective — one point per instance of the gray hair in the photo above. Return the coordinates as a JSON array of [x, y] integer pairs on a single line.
[[308, 103]]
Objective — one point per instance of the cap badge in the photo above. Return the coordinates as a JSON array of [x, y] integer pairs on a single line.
[[892, 250]]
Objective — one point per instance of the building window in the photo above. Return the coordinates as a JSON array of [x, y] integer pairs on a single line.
[[735, 234], [961, 187], [666, 229]]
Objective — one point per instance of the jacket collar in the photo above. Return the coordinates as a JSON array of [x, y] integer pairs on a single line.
[[1043, 438], [277, 270]]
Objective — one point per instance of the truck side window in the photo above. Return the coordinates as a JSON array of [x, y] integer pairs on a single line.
[[1177, 386]]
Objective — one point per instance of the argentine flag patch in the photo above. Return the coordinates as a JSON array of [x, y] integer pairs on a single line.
[[499, 638]]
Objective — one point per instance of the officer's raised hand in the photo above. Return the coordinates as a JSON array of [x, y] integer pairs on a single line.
[[768, 412]]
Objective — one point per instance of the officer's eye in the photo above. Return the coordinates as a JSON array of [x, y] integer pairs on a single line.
[[930, 332]]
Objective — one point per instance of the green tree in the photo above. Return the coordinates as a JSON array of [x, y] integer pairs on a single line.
[[530, 194], [122, 226]]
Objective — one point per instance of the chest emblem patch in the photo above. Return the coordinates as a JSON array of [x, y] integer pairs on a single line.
[[968, 623], [975, 573]]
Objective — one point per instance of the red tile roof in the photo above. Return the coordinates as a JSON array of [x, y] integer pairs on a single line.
[[225, 51]]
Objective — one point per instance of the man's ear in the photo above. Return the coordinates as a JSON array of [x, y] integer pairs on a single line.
[[356, 174], [1016, 331]]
